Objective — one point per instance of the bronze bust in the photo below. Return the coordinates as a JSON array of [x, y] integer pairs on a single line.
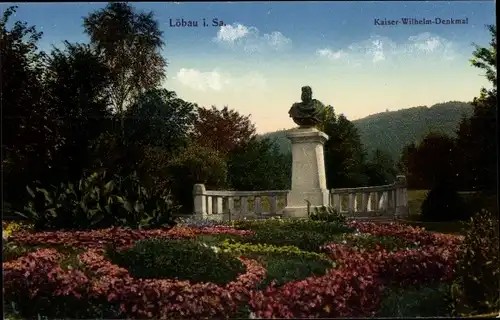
[[309, 112]]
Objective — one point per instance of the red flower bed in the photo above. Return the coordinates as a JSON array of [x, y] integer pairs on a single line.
[[119, 236], [353, 289], [37, 276], [140, 298]]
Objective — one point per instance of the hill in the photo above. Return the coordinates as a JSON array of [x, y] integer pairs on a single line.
[[392, 130]]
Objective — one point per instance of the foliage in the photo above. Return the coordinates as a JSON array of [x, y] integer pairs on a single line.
[[129, 43], [196, 164], [12, 251], [239, 248], [444, 203], [308, 236], [42, 283], [475, 290], [355, 289], [141, 207], [113, 289], [371, 243], [282, 263], [26, 129], [222, 130], [428, 301], [119, 237], [158, 118], [344, 154], [433, 160], [327, 214], [258, 165], [97, 202], [179, 259], [73, 82], [380, 168], [486, 58]]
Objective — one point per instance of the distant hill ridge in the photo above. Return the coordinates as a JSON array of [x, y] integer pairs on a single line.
[[392, 130]]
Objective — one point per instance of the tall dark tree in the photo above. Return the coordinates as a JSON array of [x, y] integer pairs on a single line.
[[259, 165], [74, 83], [159, 118], [380, 168], [344, 154], [222, 130], [129, 42], [434, 161], [26, 126], [477, 136]]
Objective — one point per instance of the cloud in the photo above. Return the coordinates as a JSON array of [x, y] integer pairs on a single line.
[[378, 49], [218, 81], [250, 40], [426, 43], [332, 55]]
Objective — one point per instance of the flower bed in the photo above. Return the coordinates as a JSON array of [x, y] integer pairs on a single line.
[[74, 277]]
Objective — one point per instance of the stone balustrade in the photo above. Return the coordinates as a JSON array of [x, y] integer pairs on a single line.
[[388, 201], [237, 204]]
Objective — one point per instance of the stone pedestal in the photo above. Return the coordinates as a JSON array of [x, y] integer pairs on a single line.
[[308, 172]]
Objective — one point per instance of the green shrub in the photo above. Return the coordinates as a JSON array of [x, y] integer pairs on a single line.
[[11, 251], [284, 267], [475, 290], [177, 259], [305, 234], [97, 202], [196, 164], [326, 214], [370, 242], [283, 263], [415, 302], [444, 203]]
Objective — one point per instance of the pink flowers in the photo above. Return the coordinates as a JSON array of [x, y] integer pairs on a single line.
[[352, 289]]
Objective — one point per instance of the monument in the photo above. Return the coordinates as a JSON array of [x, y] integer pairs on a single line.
[[308, 166]]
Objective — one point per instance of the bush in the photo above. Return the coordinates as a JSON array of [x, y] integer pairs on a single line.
[[97, 202], [416, 302], [178, 259], [478, 272], [444, 203], [371, 242], [326, 214], [304, 234], [196, 164], [283, 263]]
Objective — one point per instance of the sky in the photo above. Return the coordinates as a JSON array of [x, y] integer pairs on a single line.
[[258, 55]]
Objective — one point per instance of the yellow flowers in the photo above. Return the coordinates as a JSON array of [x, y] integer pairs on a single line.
[[10, 227]]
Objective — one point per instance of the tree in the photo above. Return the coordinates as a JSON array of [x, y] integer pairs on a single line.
[[259, 165], [380, 169], [223, 130], [434, 161], [196, 164], [344, 154], [159, 118], [129, 43], [477, 136], [74, 79], [26, 127]]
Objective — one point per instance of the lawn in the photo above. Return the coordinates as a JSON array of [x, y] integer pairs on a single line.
[[203, 269], [475, 200]]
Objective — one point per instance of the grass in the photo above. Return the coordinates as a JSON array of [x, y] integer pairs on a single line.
[[477, 201]]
